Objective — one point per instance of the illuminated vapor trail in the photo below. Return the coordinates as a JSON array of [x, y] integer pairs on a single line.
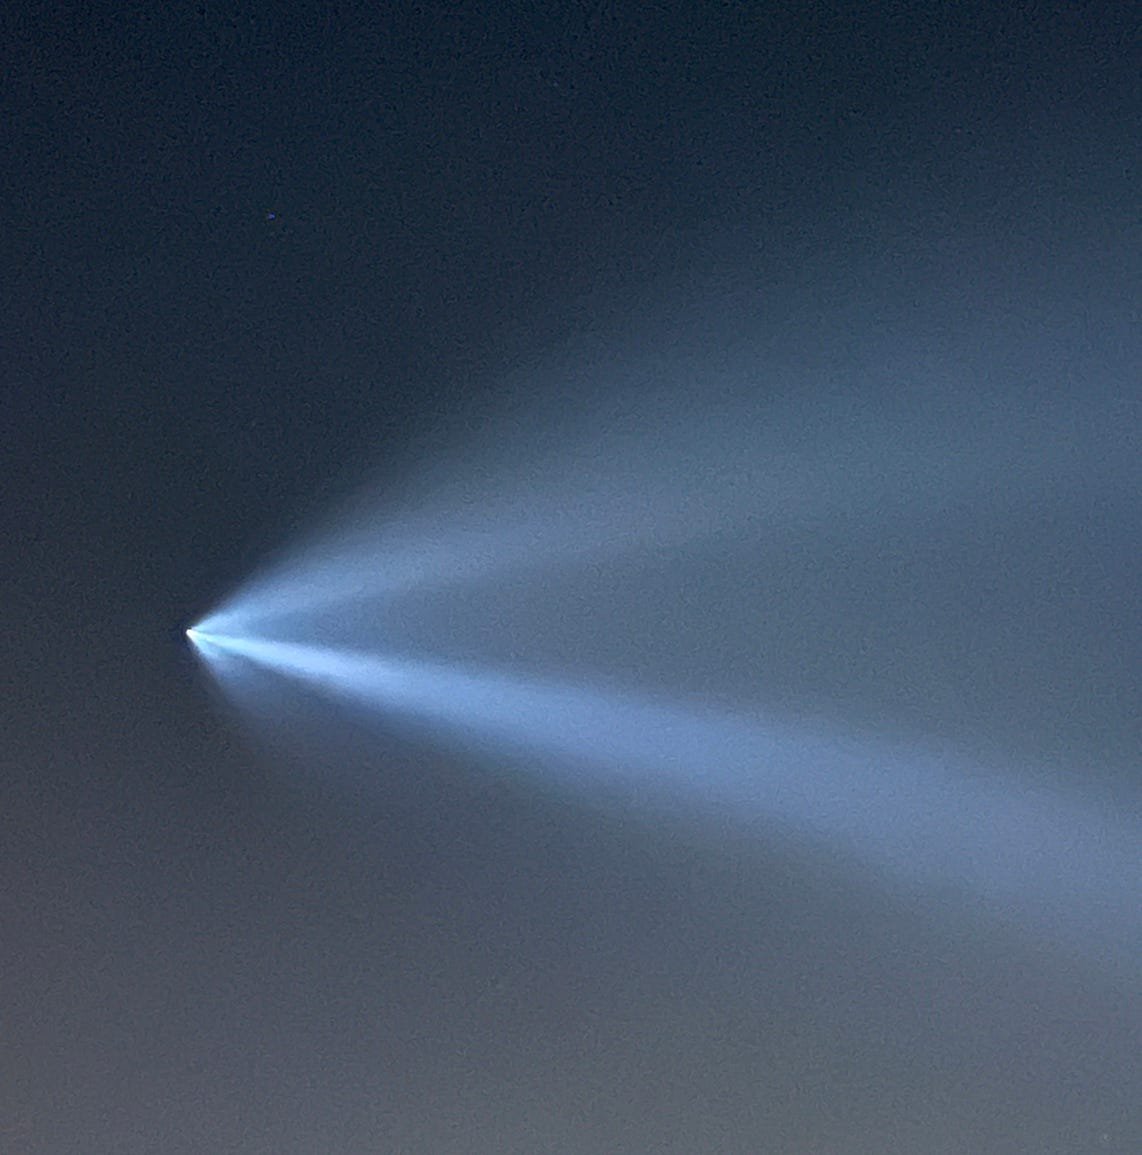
[[674, 475], [914, 820], [820, 479]]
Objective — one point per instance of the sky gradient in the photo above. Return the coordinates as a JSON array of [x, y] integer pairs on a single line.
[[770, 361]]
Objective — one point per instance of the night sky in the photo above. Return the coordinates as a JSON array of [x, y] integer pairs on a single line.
[[255, 257]]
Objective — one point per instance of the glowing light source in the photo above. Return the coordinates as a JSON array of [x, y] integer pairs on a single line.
[[836, 518]]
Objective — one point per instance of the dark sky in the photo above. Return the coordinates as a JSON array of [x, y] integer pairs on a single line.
[[255, 254]]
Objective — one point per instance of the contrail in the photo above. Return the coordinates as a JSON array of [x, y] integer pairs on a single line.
[[1052, 862]]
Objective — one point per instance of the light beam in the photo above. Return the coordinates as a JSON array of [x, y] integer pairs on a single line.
[[913, 819]]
